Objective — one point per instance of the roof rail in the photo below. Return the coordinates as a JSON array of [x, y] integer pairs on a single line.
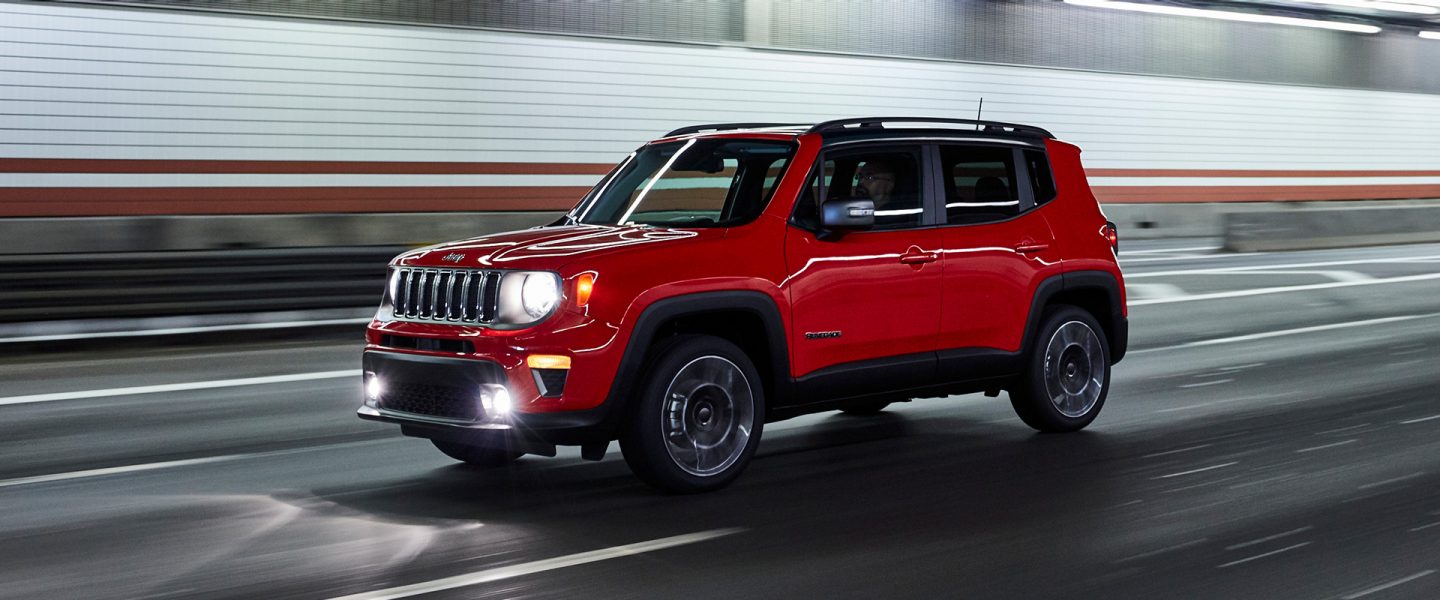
[[727, 126], [878, 122]]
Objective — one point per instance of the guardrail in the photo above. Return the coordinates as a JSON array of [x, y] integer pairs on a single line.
[[1331, 228], [45, 287]]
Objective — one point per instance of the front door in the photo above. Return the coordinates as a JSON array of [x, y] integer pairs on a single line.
[[866, 304]]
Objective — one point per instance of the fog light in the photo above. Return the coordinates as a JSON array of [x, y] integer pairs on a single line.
[[495, 399], [373, 387]]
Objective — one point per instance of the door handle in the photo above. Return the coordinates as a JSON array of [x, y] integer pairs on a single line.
[[1031, 248], [916, 256]]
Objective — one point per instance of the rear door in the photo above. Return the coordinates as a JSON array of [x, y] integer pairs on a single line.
[[998, 247], [866, 304]]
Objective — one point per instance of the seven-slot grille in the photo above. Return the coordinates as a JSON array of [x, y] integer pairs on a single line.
[[448, 295]]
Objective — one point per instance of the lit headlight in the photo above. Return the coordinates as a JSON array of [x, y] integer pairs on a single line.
[[526, 297], [539, 294]]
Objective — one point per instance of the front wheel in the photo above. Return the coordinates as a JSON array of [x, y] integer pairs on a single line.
[[480, 456], [1067, 373], [698, 418]]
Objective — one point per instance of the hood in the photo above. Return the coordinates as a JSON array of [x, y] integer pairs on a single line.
[[548, 247]]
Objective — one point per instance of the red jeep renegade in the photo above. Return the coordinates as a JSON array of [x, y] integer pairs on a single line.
[[726, 276]]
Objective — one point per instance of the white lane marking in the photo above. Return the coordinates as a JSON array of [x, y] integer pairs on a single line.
[[1342, 429], [1151, 553], [1287, 289], [169, 464], [1269, 538], [1386, 586], [62, 337], [1282, 477], [1424, 527], [1335, 275], [1324, 446], [1205, 383], [1343, 275], [539, 566], [1241, 367], [1178, 257], [1285, 332], [1200, 470], [1420, 420], [178, 387], [1170, 250], [1176, 451], [1390, 481], [1260, 556], [1328, 263], [1154, 290]]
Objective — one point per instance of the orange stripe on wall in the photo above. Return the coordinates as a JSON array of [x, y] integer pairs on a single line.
[[288, 167], [1276, 193], [74, 202], [87, 165], [57, 202], [1247, 173]]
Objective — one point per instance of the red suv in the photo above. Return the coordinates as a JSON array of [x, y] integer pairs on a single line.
[[727, 276]]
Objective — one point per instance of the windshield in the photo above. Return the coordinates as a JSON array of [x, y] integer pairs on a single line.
[[691, 183]]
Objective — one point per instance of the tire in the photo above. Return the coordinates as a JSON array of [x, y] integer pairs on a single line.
[[1067, 374], [698, 417], [479, 456], [865, 409]]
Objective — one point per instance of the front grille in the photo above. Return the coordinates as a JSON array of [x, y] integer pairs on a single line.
[[446, 402], [446, 295]]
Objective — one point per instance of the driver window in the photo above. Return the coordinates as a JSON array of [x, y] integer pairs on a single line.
[[890, 179]]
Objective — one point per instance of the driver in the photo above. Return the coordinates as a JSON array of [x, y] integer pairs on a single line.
[[875, 180]]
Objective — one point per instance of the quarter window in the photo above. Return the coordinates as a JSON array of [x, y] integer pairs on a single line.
[[1040, 178]]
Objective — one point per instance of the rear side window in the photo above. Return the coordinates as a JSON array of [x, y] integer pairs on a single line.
[[1040, 179], [980, 185]]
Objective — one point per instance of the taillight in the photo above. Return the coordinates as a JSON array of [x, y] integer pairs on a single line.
[[1112, 235]]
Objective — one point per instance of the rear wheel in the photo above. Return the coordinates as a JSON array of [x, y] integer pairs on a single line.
[[480, 456], [698, 418], [1067, 373]]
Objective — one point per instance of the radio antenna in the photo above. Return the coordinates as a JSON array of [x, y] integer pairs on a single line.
[[977, 112]]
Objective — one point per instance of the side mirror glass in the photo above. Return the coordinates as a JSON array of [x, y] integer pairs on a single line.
[[855, 213]]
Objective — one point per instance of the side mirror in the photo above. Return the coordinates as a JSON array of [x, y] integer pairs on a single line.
[[854, 213]]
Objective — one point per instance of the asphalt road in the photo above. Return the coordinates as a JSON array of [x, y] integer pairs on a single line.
[[1274, 433]]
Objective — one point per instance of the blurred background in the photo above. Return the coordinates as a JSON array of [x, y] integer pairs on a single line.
[[198, 200]]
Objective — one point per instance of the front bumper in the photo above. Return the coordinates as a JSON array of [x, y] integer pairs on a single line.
[[438, 398]]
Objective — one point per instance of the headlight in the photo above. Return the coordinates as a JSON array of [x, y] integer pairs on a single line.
[[526, 297], [539, 294]]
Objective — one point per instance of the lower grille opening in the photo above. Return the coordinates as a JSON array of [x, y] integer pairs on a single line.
[[447, 402], [551, 381], [427, 344]]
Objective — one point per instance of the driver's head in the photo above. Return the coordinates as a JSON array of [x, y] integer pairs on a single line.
[[875, 180]]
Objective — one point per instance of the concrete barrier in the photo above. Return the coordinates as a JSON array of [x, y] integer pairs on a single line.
[[160, 233], [1285, 228], [20, 236]]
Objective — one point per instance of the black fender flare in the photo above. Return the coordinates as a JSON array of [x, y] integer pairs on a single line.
[[1118, 333], [622, 387]]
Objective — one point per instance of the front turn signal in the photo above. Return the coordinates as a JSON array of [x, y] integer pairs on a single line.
[[584, 284]]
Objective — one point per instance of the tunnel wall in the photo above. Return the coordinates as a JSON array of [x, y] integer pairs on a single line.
[[117, 111]]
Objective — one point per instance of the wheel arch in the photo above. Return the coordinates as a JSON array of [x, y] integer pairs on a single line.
[[1096, 292], [749, 319]]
